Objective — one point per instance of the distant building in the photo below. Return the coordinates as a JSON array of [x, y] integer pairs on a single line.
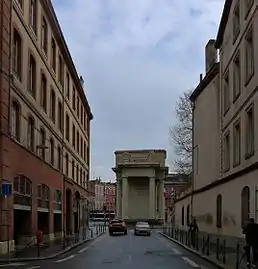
[[110, 196], [175, 184]]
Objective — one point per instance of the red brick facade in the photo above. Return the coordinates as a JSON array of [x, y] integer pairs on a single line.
[[16, 160], [5, 22]]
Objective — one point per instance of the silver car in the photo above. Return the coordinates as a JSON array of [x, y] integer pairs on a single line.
[[142, 228]]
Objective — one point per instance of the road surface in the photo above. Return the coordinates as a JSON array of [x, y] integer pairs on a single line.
[[122, 252]]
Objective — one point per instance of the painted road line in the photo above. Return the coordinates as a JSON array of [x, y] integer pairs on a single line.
[[190, 262], [177, 251], [83, 249], [11, 264], [65, 259], [33, 267]]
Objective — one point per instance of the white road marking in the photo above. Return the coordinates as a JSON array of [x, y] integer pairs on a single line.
[[11, 264], [33, 267], [83, 249], [65, 259], [130, 258], [190, 262], [176, 251]]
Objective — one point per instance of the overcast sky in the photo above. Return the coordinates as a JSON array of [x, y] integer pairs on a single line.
[[136, 57]]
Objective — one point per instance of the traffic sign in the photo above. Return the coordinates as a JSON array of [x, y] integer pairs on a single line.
[[6, 189]]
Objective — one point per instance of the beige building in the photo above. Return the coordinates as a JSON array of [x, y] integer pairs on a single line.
[[225, 136], [45, 144], [140, 176]]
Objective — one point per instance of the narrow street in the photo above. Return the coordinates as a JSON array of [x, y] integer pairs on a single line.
[[119, 251]]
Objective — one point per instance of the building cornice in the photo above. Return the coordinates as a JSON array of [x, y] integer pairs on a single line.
[[223, 23]]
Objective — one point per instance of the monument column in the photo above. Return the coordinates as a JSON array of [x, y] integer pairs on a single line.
[[124, 197], [161, 199], [152, 201], [118, 198]]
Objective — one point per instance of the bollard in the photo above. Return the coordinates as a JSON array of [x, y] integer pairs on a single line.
[[91, 233]]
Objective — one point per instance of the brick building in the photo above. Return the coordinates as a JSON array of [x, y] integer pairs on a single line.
[[110, 196], [45, 126]]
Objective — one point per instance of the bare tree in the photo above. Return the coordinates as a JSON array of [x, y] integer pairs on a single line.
[[181, 134]]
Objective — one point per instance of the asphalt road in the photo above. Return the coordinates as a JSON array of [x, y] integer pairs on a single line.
[[122, 251]]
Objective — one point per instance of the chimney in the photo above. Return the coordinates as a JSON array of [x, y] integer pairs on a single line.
[[210, 55], [200, 77], [82, 81]]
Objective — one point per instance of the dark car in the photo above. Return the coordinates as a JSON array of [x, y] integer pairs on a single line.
[[117, 226]]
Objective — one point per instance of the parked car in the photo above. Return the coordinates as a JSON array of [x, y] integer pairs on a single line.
[[142, 228], [117, 226]]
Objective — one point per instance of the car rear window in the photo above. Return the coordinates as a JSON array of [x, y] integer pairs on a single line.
[[116, 221]]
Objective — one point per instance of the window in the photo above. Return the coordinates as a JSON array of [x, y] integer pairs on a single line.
[[249, 54], [81, 114], [249, 132], [59, 115], [52, 151], [43, 95], [53, 54], [219, 211], [226, 94], [66, 164], [42, 143], [84, 117], [30, 133], [77, 141], [226, 152], [236, 144], [53, 105], [81, 180], [32, 76], [67, 86], [44, 35], [59, 158], [78, 106], [73, 167], [183, 216], [73, 99], [17, 54], [236, 22], [84, 151], [81, 147], [33, 15], [248, 5], [67, 130], [15, 120], [236, 77], [20, 3], [77, 173], [60, 70], [73, 136]]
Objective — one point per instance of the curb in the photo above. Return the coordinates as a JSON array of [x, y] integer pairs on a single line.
[[218, 265], [55, 255]]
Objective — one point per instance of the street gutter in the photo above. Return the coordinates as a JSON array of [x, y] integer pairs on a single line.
[[218, 265]]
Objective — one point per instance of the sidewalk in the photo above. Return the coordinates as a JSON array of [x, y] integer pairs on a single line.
[[222, 253], [52, 248]]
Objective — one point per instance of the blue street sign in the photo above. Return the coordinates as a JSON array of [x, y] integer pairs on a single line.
[[6, 189]]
